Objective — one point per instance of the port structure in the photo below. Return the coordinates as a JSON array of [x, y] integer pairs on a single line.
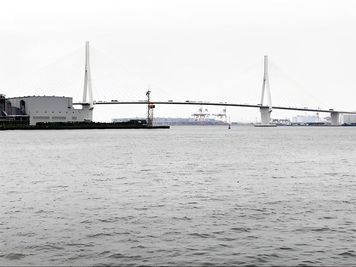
[[203, 114], [150, 108], [222, 116]]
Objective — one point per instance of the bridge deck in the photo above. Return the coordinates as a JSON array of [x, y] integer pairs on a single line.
[[198, 103]]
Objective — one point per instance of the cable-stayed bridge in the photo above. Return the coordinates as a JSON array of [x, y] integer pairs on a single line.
[[265, 110], [265, 107]]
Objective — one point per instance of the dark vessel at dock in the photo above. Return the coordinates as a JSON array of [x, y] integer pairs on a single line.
[[131, 124]]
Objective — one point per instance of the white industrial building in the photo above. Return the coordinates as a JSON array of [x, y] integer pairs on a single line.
[[51, 109], [306, 119], [349, 118]]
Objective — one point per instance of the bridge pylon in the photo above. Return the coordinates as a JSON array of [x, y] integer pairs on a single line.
[[266, 109], [87, 79], [335, 118]]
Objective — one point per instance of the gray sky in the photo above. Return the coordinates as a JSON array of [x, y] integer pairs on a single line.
[[196, 50]]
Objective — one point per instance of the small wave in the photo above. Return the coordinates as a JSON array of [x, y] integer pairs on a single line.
[[285, 248], [76, 257], [122, 233], [115, 219], [350, 253], [252, 237], [225, 245], [37, 182], [308, 263], [321, 229], [227, 239], [101, 180], [142, 208], [328, 217], [139, 246], [172, 233], [13, 192], [274, 202], [201, 235], [46, 247], [14, 256], [185, 218], [26, 234], [79, 245], [345, 201], [43, 211], [241, 229], [332, 173], [109, 220], [301, 244], [199, 253], [105, 252], [58, 186], [348, 175], [122, 256], [98, 235], [278, 177], [314, 229], [157, 206]]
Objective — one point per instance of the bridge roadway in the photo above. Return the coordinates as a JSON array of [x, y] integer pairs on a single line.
[[199, 103]]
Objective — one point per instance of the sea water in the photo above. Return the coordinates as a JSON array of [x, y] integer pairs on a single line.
[[184, 196]]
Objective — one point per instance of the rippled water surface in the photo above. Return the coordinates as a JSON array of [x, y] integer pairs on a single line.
[[184, 196]]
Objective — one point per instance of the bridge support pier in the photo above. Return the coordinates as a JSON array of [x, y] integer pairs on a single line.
[[335, 118], [87, 112], [265, 115]]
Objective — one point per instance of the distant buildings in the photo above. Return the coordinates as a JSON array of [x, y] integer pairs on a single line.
[[303, 119], [282, 122], [179, 121], [349, 119], [345, 119]]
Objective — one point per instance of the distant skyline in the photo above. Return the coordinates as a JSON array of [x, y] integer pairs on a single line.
[[182, 50]]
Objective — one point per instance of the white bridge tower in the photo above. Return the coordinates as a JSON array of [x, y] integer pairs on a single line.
[[266, 109], [87, 79]]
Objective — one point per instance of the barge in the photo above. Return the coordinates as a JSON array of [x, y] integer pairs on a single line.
[[131, 124]]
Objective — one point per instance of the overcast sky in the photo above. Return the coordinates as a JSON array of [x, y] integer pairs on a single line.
[[182, 50]]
